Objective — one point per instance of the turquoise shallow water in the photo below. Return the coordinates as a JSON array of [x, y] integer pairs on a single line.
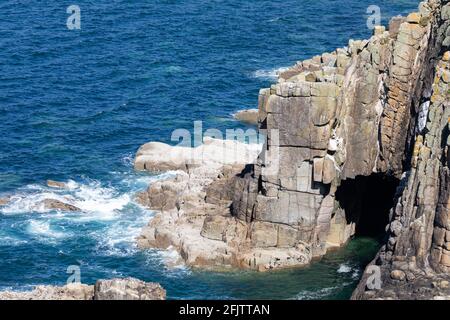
[[76, 105]]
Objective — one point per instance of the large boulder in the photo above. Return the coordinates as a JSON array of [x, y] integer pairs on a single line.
[[215, 226]]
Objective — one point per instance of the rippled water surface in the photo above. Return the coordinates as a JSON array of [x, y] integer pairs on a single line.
[[76, 105]]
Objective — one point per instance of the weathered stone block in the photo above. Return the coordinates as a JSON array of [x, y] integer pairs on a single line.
[[264, 234], [214, 227], [413, 17], [323, 110], [318, 169], [287, 236], [394, 26], [438, 236], [445, 12], [329, 170], [445, 258], [304, 177], [323, 89]]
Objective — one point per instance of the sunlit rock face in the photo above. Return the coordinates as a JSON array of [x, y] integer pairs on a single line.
[[352, 113], [414, 262], [350, 134]]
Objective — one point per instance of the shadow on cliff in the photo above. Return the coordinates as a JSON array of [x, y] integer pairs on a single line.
[[367, 202]]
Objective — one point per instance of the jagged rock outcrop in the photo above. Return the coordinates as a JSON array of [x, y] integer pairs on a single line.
[[370, 113], [116, 289]]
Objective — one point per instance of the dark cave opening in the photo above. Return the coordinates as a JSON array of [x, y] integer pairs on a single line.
[[367, 202]]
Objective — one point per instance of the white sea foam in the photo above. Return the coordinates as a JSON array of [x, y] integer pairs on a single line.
[[275, 19], [269, 73], [24, 203], [100, 203], [315, 295], [43, 229], [11, 241], [118, 219], [344, 268], [174, 69], [173, 264], [128, 160], [93, 200], [136, 183], [172, 258], [120, 236]]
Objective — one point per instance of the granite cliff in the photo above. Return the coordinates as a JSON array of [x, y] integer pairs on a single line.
[[357, 143]]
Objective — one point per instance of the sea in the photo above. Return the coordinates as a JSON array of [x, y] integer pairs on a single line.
[[84, 83]]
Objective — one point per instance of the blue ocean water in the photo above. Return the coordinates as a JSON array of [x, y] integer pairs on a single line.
[[76, 104]]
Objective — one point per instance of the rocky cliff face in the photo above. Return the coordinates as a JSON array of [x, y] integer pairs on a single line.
[[351, 134], [415, 262], [416, 257], [343, 121]]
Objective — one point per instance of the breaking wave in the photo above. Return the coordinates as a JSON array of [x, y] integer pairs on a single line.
[[271, 74], [108, 214], [44, 229], [346, 268], [315, 295]]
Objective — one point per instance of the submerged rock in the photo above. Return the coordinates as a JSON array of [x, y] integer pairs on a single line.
[[56, 184], [248, 116], [4, 201], [52, 204], [116, 289]]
